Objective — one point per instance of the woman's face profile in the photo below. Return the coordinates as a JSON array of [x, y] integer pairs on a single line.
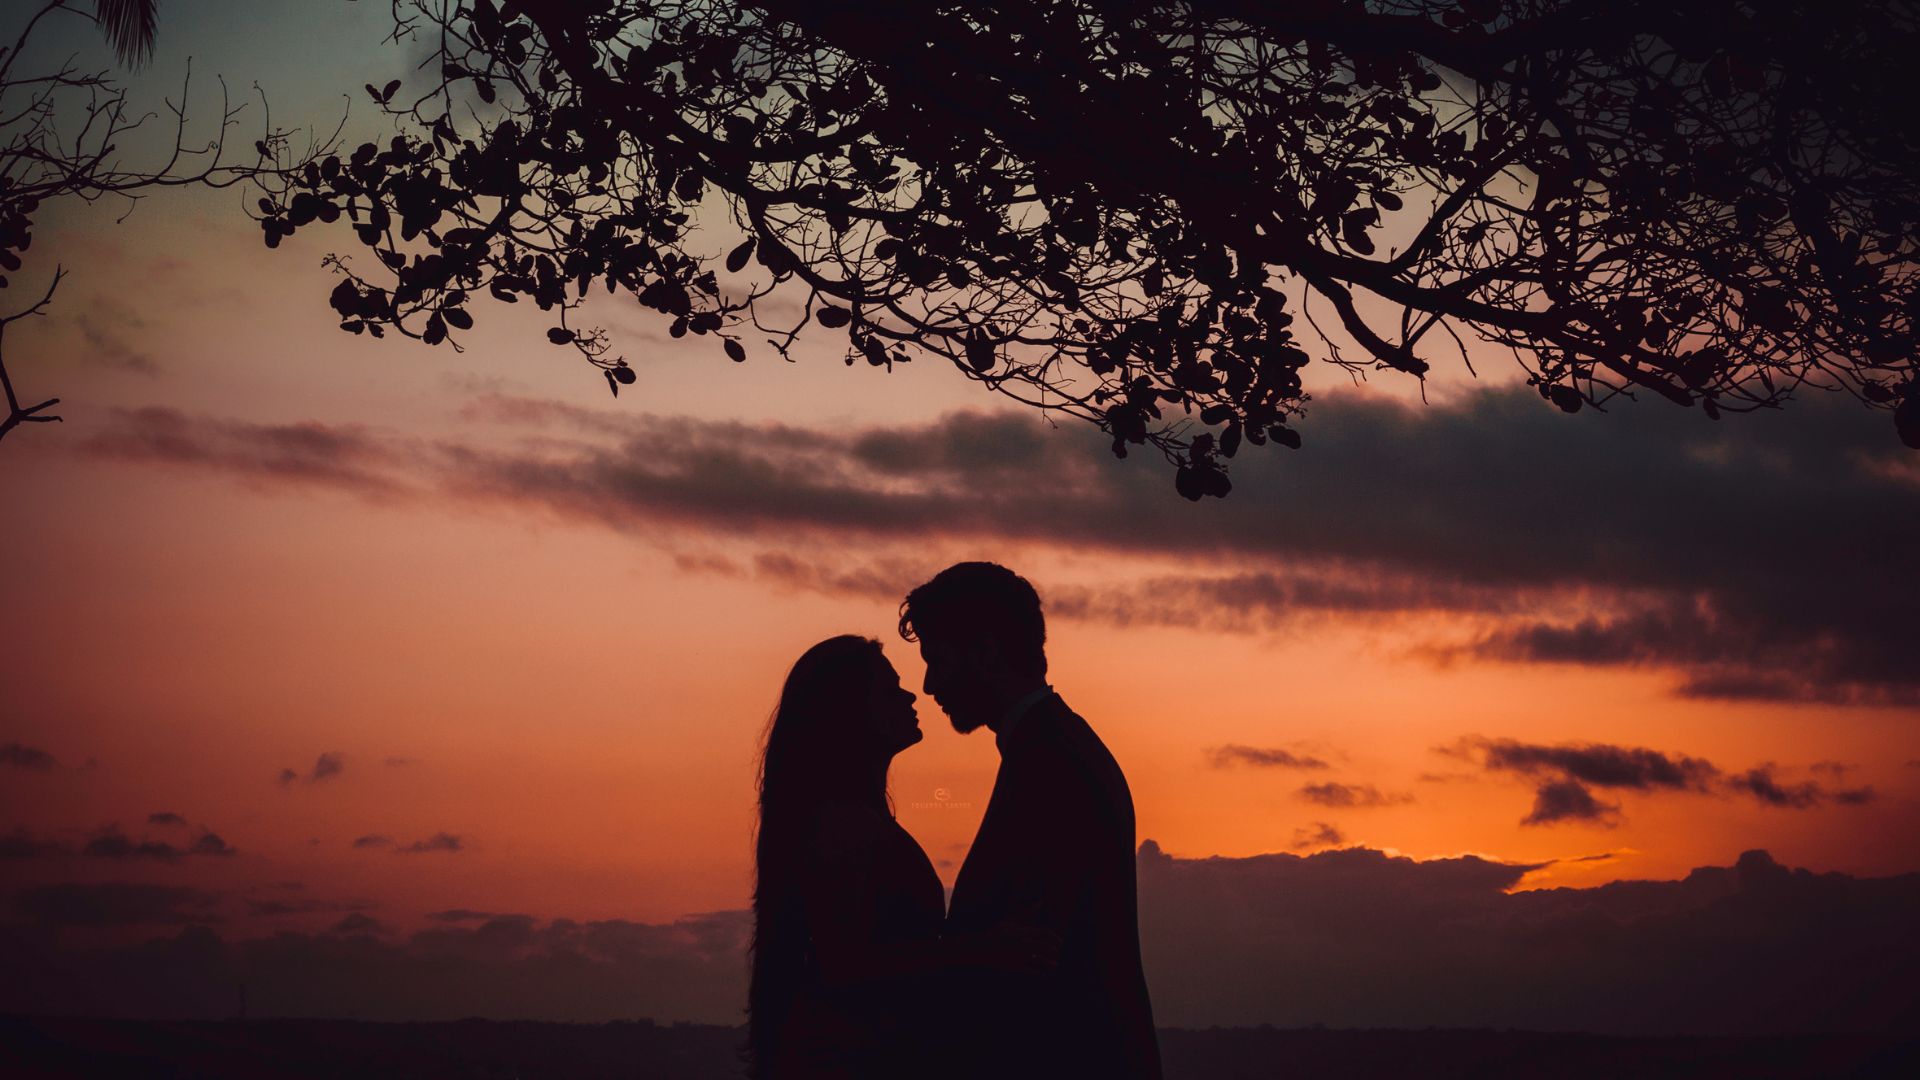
[[895, 721]]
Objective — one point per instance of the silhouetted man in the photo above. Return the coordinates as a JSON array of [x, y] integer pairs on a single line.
[[1055, 848]]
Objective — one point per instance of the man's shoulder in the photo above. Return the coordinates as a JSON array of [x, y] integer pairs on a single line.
[[1064, 728], [1063, 740]]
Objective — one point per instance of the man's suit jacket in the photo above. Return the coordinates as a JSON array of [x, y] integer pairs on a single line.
[[1056, 848]]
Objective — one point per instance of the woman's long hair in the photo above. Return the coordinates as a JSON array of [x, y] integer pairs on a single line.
[[816, 750]]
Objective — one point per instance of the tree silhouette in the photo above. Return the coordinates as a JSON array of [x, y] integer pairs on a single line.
[[60, 130], [1154, 215]]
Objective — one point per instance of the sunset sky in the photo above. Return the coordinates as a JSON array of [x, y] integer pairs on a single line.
[[416, 632]]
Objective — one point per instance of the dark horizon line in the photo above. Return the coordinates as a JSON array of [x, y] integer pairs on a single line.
[[649, 1022]]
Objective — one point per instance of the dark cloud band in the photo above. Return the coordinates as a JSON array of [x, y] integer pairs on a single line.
[[1757, 557]]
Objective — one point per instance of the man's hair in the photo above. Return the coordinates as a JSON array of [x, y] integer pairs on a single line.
[[980, 601]]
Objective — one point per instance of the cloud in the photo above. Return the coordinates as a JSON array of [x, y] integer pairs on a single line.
[[339, 456], [880, 580], [30, 758], [1340, 795], [1351, 938], [1319, 834], [325, 767], [1760, 782], [112, 904], [1569, 800], [461, 915], [360, 923], [165, 817], [1224, 756], [372, 840], [1711, 522], [210, 844], [446, 842], [1596, 857], [1356, 938], [1599, 764], [397, 762], [1262, 600], [21, 844], [111, 843], [1639, 537], [1731, 658], [1564, 775], [103, 323]]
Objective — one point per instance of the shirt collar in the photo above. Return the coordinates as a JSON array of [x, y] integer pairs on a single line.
[[1017, 712]]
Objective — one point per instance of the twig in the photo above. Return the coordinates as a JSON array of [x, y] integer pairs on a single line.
[[31, 414]]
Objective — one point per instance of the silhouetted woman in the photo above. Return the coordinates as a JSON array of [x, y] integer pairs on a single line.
[[847, 909]]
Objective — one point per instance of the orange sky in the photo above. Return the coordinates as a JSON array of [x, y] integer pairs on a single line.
[[582, 710], [579, 700]]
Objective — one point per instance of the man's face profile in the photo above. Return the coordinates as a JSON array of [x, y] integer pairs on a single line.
[[953, 680]]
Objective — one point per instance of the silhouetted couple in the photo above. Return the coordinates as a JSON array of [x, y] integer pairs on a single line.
[[860, 968]]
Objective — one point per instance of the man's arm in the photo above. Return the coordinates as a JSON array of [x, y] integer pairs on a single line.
[[1117, 958], [1089, 887]]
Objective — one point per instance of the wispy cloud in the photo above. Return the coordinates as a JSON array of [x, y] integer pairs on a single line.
[[464, 915], [360, 923], [1565, 776], [1761, 783], [325, 767], [447, 843], [108, 330], [1318, 834], [332, 455], [1351, 796], [30, 758], [1262, 757], [111, 843]]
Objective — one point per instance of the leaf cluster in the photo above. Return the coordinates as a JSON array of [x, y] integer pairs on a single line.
[[1152, 216]]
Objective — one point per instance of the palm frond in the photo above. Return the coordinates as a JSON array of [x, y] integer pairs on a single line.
[[130, 27]]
